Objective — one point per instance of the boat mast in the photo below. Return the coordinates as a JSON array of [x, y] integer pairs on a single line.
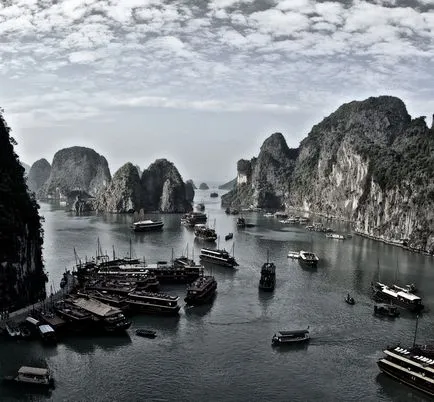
[[130, 249], [415, 331], [268, 255], [172, 256]]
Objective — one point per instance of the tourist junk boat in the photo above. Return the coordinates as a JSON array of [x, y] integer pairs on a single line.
[[146, 333], [268, 276], [412, 366], [214, 195], [290, 337], [241, 223], [308, 258], [31, 376], [219, 257], [336, 236], [153, 303], [402, 299], [386, 310], [201, 291], [203, 232], [147, 226], [293, 254], [193, 218]]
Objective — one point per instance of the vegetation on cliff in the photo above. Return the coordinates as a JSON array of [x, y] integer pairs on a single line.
[[22, 278]]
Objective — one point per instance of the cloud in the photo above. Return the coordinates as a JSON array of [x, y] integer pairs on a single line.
[[225, 56]]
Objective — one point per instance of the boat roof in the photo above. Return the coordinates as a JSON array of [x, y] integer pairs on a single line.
[[96, 307], [409, 355], [32, 370], [146, 222], [295, 332], [32, 320], [46, 329], [404, 295]]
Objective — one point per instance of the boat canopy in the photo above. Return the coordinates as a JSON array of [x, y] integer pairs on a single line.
[[32, 321], [292, 333], [25, 370], [46, 329]]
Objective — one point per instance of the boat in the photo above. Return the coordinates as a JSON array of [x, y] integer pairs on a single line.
[[219, 257], [47, 334], [146, 333], [31, 376], [281, 215], [203, 232], [214, 195], [193, 218], [350, 300], [147, 225], [403, 299], [386, 310], [336, 236], [200, 206], [241, 223], [413, 366], [290, 337], [153, 303], [268, 215], [308, 258], [229, 236], [201, 291], [293, 254], [268, 276]]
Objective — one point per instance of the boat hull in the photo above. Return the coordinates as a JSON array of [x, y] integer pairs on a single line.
[[383, 297], [406, 378], [201, 299], [290, 342], [154, 310], [148, 228], [215, 261]]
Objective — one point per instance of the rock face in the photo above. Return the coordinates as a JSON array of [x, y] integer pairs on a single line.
[[163, 188], [38, 175], [76, 171], [368, 162], [123, 194], [264, 181], [22, 278], [230, 185], [203, 186], [189, 190]]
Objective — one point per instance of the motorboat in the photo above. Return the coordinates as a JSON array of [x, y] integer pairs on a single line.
[[31, 376], [146, 333], [290, 337], [350, 300]]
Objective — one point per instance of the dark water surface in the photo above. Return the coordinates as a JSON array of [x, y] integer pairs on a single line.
[[223, 352]]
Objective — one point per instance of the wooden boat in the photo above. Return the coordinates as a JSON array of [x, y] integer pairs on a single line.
[[31, 376], [146, 333], [229, 236], [268, 276], [293, 254], [290, 337], [386, 310], [147, 226], [350, 300]]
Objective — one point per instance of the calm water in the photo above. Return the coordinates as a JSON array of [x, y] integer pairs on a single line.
[[223, 352]]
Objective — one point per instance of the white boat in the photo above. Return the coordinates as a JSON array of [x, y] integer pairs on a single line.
[[293, 254], [308, 257], [336, 236], [147, 225], [268, 215], [32, 376]]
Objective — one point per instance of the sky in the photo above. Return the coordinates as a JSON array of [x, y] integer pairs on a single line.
[[201, 83]]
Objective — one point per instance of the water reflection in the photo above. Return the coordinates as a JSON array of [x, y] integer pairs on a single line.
[[85, 344], [200, 311]]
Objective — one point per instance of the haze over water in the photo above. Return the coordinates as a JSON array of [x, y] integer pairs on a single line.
[[223, 352]]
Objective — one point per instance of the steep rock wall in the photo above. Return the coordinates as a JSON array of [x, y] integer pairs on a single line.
[[22, 277]]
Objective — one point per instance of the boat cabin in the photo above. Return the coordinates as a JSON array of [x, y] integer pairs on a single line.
[[47, 333], [284, 337], [34, 375]]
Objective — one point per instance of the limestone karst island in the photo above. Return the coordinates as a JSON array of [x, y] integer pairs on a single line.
[[313, 261]]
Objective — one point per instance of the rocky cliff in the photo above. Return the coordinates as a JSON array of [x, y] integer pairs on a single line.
[[368, 162], [22, 278], [38, 175], [189, 190], [163, 188], [203, 186], [123, 194], [264, 181], [76, 171], [230, 185]]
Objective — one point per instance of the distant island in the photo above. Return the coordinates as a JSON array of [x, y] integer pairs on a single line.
[[368, 162], [230, 185], [203, 186]]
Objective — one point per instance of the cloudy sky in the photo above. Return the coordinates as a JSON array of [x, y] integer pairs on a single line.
[[201, 82]]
